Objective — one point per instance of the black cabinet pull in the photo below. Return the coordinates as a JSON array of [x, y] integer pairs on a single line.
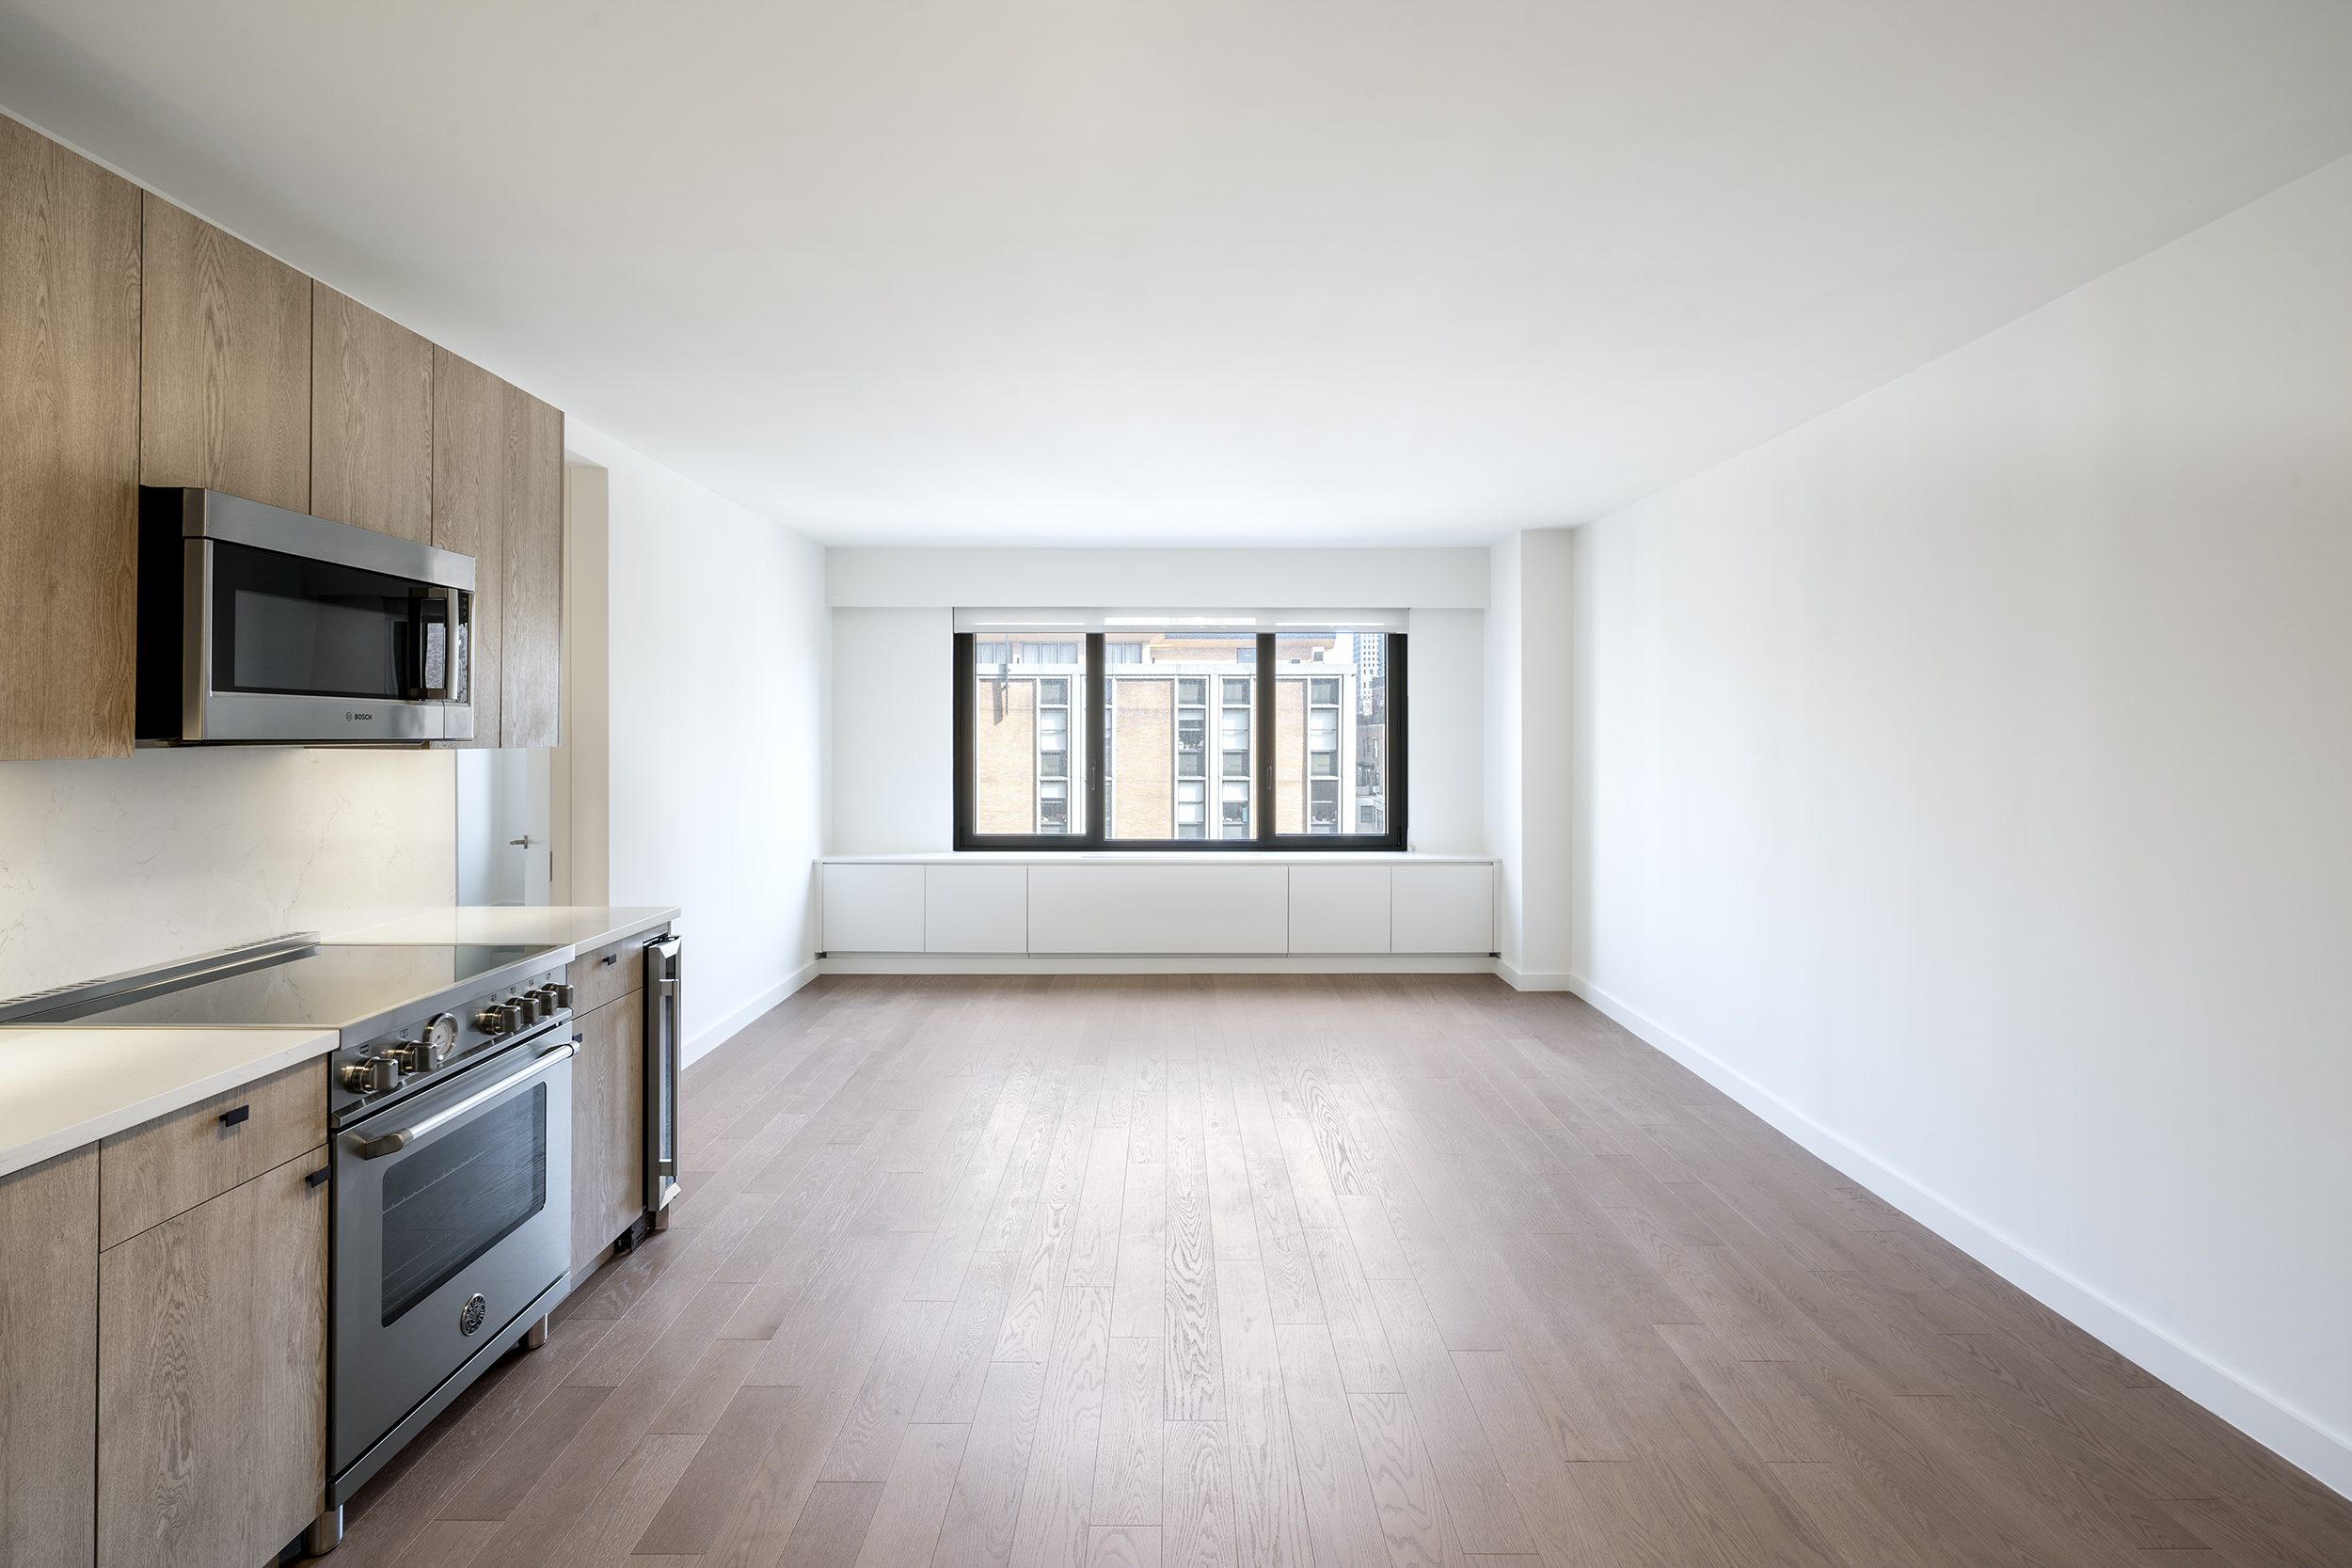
[[231, 1119], [611, 959], [319, 1175]]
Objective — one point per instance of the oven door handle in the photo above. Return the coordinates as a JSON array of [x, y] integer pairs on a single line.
[[393, 1142]]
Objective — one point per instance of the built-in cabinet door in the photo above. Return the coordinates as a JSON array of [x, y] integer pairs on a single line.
[[1442, 909], [371, 419], [224, 364], [212, 1377], [873, 908], [607, 1127], [530, 707], [469, 513], [1338, 909], [49, 1361], [69, 450]]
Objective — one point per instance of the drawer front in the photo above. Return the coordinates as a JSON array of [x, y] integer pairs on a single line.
[[168, 1166], [596, 981]]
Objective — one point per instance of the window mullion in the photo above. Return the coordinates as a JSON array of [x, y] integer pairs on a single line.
[[1098, 715], [1264, 693]]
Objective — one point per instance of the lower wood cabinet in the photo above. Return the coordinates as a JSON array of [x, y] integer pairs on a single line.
[[49, 1361], [211, 1379], [608, 1125]]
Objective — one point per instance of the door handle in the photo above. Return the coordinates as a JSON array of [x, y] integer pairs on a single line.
[[523, 843], [393, 1142]]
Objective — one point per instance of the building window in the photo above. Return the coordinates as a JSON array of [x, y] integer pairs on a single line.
[[1180, 738]]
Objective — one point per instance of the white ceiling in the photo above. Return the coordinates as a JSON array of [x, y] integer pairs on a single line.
[[908, 271]]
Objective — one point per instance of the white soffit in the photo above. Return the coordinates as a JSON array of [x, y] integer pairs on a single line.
[[1255, 271]]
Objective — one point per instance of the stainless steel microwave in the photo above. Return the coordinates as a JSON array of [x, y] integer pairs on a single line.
[[257, 625]]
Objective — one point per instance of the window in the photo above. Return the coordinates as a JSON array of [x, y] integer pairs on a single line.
[[1180, 738]]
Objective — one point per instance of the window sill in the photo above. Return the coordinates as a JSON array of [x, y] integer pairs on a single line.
[[1160, 857]]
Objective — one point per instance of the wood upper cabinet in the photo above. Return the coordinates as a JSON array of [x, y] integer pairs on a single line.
[[69, 450], [225, 370], [469, 512], [49, 1361], [371, 419], [212, 1377], [531, 704]]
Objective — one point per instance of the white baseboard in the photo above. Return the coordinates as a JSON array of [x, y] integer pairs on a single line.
[[710, 1037], [2262, 1416], [1523, 979], [1152, 963]]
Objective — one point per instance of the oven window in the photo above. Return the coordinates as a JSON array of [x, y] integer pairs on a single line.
[[461, 1194], [282, 624]]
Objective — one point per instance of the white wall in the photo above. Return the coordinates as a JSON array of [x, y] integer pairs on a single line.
[[1445, 676], [1451, 579], [892, 767], [1529, 657], [118, 863], [1965, 782], [893, 711], [714, 754]]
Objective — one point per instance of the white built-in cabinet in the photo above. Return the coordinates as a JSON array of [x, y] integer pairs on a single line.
[[976, 908], [1078, 908]]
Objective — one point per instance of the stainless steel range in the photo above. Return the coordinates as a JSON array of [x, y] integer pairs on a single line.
[[449, 1109]]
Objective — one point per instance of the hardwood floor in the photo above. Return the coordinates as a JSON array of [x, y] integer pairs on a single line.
[[1346, 1270]]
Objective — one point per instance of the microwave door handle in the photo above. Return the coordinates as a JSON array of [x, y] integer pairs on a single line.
[[393, 1142]]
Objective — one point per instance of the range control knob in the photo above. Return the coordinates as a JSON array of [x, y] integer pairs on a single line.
[[371, 1076], [561, 994], [533, 1010], [491, 1021]]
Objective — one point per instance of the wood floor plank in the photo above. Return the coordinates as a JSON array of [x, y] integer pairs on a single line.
[[868, 1445], [1123, 1547], [1094, 1238], [691, 1515], [1127, 1457], [1194, 1381], [1477, 1497], [951, 1385], [984, 1504], [1037, 1289], [1366, 1366], [914, 1502], [1268, 1515], [1058, 1494], [1197, 1496], [1139, 1300], [1342, 1521], [1404, 1484], [831, 1525]]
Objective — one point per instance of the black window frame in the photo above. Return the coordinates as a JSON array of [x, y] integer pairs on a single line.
[[1096, 732]]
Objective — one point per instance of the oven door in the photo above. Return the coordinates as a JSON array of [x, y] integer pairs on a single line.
[[452, 1213]]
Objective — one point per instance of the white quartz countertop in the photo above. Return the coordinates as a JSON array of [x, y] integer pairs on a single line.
[[548, 925], [61, 1089]]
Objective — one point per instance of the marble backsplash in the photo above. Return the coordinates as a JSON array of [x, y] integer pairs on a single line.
[[115, 863]]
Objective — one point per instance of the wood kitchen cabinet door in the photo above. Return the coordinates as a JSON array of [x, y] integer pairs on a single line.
[[533, 653], [49, 1361], [607, 1127], [371, 419], [469, 512], [212, 1377], [225, 363], [68, 452]]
